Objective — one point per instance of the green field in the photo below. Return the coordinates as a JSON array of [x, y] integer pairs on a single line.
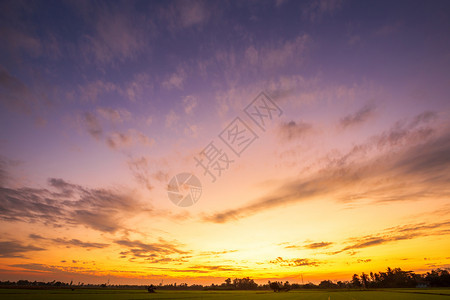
[[86, 294]]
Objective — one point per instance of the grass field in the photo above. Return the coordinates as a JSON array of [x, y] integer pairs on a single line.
[[87, 294]]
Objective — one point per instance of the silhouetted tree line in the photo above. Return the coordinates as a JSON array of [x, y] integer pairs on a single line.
[[392, 278], [26, 283], [59, 284], [278, 286]]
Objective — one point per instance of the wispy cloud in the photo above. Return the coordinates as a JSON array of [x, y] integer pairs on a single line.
[[251, 61], [295, 262], [69, 242], [316, 10], [387, 236], [171, 118], [78, 243], [92, 91], [65, 271], [389, 28], [190, 103], [153, 252], [19, 35], [21, 41], [117, 140], [16, 249], [93, 126], [420, 159], [278, 55], [358, 117], [68, 205], [294, 130], [318, 245], [138, 88], [217, 268], [399, 233], [114, 139], [140, 170], [118, 34], [280, 2], [15, 94], [181, 15], [36, 267], [5, 164], [175, 80], [114, 115]]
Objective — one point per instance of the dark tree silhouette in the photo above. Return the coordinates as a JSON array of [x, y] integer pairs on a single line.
[[364, 280], [438, 277], [327, 284], [244, 284], [228, 282], [355, 281], [278, 286]]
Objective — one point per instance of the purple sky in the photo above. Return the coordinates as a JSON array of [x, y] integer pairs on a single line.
[[102, 102]]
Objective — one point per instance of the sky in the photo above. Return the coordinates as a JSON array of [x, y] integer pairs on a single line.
[[315, 134]]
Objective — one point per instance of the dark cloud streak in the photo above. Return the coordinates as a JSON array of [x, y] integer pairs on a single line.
[[9, 249], [295, 262], [395, 234], [68, 204], [68, 243], [161, 252], [419, 168], [294, 130], [318, 245], [93, 125], [359, 117]]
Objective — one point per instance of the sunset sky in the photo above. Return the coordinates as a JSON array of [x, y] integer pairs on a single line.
[[102, 103]]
